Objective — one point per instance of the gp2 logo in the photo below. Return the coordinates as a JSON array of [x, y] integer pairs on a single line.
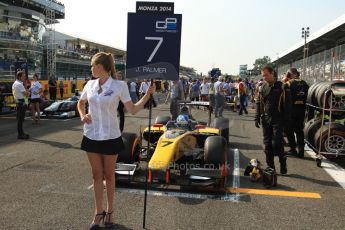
[[168, 24]]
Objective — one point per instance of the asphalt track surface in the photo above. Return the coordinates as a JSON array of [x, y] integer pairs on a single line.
[[45, 184]]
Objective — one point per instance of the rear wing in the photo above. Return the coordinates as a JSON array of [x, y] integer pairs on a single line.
[[199, 103]]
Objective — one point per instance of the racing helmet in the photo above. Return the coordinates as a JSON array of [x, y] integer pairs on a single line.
[[182, 121], [184, 110]]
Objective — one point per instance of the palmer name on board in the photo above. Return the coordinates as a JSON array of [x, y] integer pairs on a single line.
[[146, 69]]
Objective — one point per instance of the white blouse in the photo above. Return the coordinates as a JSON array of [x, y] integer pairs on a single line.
[[103, 108], [35, 89]]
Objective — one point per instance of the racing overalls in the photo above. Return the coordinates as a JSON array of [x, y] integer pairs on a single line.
[[273, 109], [299, 92]]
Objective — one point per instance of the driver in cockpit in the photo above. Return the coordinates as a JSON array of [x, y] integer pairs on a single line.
[[185, 120]]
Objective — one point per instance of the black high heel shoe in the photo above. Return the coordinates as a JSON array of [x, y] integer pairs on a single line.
[[96, 226], [108, 224]]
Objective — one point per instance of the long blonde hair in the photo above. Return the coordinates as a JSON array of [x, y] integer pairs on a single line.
[[107, 61]]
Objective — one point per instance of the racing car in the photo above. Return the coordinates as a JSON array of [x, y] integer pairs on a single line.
[[181, 149], [62, 109]]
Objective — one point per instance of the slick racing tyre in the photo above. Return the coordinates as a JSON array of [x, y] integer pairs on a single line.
[[310, 129], [215, 150], [222, 124], [320, 93], [130, 153], [311, 94]]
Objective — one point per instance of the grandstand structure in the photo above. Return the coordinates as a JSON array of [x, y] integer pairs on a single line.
[[22, 29], [326, 54], [27, 34], [73, 56]]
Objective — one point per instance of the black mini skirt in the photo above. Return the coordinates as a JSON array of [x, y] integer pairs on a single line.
[[106, 147], [35, 100]]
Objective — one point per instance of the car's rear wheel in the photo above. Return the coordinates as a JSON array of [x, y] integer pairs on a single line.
[[215, 154], [131, 151], [215, 150], [222, 124]]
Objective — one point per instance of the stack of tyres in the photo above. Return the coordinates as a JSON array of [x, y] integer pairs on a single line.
[[334, 99], [327, 135]]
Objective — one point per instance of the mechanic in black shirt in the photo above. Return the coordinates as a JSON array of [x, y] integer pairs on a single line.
[[272, 110], [52, 88], [299, 91]]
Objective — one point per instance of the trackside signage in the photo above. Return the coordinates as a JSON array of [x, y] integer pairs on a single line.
[[153, 42], [155, 7]]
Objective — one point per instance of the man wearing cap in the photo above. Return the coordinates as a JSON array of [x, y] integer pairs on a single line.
[[219, 92], [19, 92]]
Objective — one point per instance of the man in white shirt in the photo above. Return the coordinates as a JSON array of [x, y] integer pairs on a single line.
[[204, 90], [219, 90], [133, 91], [143, 87], [19, 92]]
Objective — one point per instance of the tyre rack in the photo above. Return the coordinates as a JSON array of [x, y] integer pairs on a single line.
[[318, 151]]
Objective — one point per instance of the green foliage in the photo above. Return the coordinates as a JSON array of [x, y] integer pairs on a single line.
[[262, 62]]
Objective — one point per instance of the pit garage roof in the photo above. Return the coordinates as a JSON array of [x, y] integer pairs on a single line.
[[327, 37]]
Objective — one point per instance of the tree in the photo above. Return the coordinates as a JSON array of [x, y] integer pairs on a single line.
[[262, 62]]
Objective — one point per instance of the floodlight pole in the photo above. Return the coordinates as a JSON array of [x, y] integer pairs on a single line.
[[305, 35]]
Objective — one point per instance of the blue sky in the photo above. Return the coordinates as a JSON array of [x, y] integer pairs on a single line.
[[215, 33]]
